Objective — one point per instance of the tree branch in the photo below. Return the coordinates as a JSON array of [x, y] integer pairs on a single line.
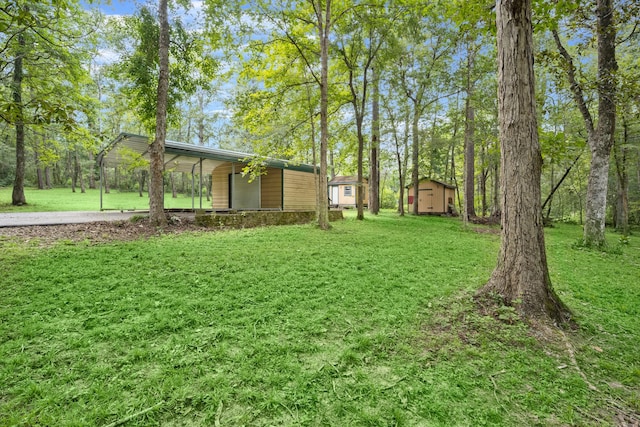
[[576, 89]]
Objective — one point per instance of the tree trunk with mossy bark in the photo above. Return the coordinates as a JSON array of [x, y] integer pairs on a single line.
[[521, 275], [17, 196]]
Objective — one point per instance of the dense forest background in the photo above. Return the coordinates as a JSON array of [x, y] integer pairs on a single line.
[[412, 93]]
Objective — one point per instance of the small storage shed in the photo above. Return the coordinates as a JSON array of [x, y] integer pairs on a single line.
[[286, 186], [434, 197], [342, 191]]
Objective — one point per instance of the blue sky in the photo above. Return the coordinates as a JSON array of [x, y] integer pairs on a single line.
[[113, 7]]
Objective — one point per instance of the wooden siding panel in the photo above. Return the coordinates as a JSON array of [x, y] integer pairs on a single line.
[[299, 190], [220, 186], [271, 189]]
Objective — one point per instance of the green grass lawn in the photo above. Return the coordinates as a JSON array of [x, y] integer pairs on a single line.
[[62, 199], [368, 324]]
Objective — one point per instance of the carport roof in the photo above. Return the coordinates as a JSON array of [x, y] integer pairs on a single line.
[[181, 157]]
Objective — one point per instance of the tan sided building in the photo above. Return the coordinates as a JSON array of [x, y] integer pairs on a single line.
[[434, 197], [342, 191], [286, 186]]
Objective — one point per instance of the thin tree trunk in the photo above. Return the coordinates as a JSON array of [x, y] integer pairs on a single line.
[[360, 186], [39, 170], [484, 176], [17, 196], [374, 168], [415, 158], [174, 192], [454, 179], [73, 170], [324, 23], [469, 146], [156, 149], [141, 180], [496, 208], [47, 177], [314, 151], [105, 179], [78, 166], [521, 275], [92, 174], [557, 185], [547, 217], [620, 156], [201, 119]]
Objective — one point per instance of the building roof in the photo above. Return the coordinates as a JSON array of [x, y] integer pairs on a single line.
[[434, 180], [345, 180], [182, 157]]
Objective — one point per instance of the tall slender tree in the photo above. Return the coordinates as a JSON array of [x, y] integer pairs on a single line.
[[600, 135], [374, 158], [323, 25], [17, 196], [521, 275], [156, 149], [469, 134]]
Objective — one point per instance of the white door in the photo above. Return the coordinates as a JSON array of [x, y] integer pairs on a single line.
[[335, 195]]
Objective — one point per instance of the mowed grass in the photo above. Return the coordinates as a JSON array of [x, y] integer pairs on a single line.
[[368, 324], [62, 199]]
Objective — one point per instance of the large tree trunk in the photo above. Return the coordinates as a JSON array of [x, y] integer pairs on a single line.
[[17, 196], [374, 167], [324, 23], [521, 275], [601, 141], [156, 149]]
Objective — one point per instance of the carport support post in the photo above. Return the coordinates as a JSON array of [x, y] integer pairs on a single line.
[[200, 183], [101, 173], [233, 183], [193, 187]]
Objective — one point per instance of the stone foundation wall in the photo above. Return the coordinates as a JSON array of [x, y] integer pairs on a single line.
[[250, 219]]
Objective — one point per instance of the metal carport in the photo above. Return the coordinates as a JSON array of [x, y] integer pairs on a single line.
[[180, 157]]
